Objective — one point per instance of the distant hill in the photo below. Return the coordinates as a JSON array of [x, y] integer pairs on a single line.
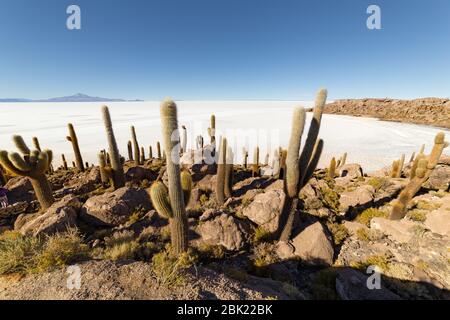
[[75, 98]]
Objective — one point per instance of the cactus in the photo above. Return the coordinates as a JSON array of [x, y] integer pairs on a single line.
[[228, 183], [221, 172], [276, 164], [130, 151], [332, 169], [199, 142], [63, 158], [186, 186], [160, 199], [255, 165], [33, 164], [420, 173], [158, 147], [72, 138], [136, 152], [36, 144], [283, 156], [212, 130], [179, 226], [3, 179], [245, 154], [74, 165], [183, 139], [300, 167], [118, 178], [397, 167], [142, 155], [105, 171]]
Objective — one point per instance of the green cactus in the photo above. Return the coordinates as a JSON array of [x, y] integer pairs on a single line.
[[221, 172], [118, 178], [332, 169], [159, 194], [186, 186], [105, 170], [300, 167], [397, 167], [130, 151], [421, 170], [179, 226], [32, 164], [136, 149], [72, 138]]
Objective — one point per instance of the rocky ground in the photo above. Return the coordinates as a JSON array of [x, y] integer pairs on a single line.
[[429, 111], [341, 230]]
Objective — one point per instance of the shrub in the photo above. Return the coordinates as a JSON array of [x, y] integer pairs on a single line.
[[17, 253], [121, 246], [324, 285], [338, 231], [370, 213], [261, 235], [417, 215]]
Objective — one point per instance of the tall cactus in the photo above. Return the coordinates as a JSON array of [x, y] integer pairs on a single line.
[[36, 144], [32, 164], [130, 151], [136, 150], [212, 130], [150, 152], [300, 167], [65, 166], [221, 172], [142, 155], [179, 226], [255, 165], [332, 169], [158, 147], [183, 139], [245, 155], [228, 187], [421, 170], [118, 177], [72, 138], [105, 171]]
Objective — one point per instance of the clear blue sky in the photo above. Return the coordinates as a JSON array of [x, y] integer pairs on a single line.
[[224, 49]]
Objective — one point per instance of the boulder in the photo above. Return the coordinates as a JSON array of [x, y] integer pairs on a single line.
[[58, 218], [19, 190], [265, 209], [138, 173], [353, 285], [439, 178], [84, 182], [353, 227], [398, 230], [361, 197], [352, 170], [224, 230], [314, 246], [438, 221], [114, 208]]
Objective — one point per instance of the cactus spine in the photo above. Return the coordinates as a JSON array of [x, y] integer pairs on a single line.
[[118, 178], [300, 167], [32, 164], [72, 138], [420, 172], [137, 154], [179, 226]]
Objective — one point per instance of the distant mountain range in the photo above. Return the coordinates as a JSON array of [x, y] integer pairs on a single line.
[[75, 98]]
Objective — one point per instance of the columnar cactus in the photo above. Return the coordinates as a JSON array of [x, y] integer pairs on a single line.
[[158, 147], [137, 154], [118, 178], [142, 155], [221, 172], [36, 144], [255, 165], [212, 130], [420, 173], [72, 138], [179, 226], [63, 158], [332, 169], [105, 171], [32, 164], [150, 152], [183, 139], [276, 164], [300, 167], [199, 142], [130, 151], [245, 154], [397, 167], [228, 183], [3, 179]]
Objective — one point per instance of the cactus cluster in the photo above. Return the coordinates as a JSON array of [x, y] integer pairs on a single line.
[[171, 201], [336, 165], [420, 172], [32, 164], [113, 157], [397, 167], [300, 167], [72, 138]]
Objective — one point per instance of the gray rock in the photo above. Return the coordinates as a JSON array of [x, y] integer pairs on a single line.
[[265, 209], [114, 208], [353, 170], [362, 196], [84, 182], [314, 246], [19, 190], [439, 178], [401, 231], [58, 218], [352, 285], [438, 221], [224, 230]]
